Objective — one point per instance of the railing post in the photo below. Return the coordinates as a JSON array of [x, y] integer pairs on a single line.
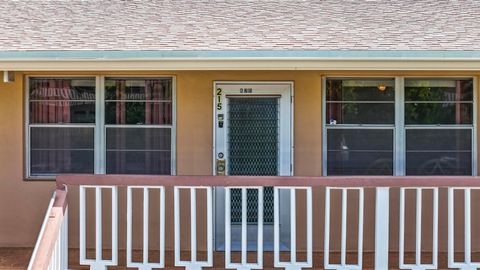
[[64, 239], [381, 227]]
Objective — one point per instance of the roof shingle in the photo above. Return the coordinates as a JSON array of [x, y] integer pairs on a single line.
[[240, 25]]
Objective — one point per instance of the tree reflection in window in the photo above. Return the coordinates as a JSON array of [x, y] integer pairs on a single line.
[[366, 148], [439, 125]]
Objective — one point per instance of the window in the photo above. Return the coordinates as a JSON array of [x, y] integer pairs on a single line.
[[70, 119], [423, 128], [360, 124], [439, 126], [61, 125], [138, 116]]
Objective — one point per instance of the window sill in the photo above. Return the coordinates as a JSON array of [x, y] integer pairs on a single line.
[[49, 178]]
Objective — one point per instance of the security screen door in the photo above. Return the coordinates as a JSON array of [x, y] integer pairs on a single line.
[[252, 137]]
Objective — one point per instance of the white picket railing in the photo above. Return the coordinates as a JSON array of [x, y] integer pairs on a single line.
[[293, 264], [51, 249], [193, 264], [343, 265], [418, 230], [98, 263], [467, 264], [59, 258], [185, 187], [145, 264]]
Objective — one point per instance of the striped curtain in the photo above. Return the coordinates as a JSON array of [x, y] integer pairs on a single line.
[[50, 104]]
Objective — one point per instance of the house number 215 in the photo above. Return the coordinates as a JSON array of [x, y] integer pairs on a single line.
[[219, 99]]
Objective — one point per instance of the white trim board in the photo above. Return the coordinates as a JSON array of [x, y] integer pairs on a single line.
[[242, 64]]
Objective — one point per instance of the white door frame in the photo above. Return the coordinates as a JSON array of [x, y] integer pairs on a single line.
[[285, 91]]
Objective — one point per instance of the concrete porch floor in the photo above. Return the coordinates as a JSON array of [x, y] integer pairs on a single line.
[[15, 258], [18, 258]]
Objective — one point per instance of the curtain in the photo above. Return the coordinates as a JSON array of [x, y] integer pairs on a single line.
[[156, 104], [158, 111], [50, 104], [120, 106], [120, 156], [51, 101]]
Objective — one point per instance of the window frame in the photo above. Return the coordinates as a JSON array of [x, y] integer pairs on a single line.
[[99, 126], [399, 127]]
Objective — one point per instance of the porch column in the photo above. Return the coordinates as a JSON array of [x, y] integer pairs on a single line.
[[381, 227]]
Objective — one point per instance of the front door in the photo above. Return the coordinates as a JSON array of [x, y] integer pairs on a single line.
[[253, 136]]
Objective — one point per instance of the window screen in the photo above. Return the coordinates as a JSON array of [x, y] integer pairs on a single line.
[[360, 151]]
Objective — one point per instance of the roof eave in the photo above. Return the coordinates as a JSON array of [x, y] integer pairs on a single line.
[[240, 60]]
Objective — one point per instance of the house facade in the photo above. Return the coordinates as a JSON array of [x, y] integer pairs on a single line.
[[332, 135]]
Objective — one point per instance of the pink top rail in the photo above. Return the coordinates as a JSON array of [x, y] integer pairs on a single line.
[[50, 235], [228, 181]]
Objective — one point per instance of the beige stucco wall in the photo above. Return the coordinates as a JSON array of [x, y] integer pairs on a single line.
[[22, 203]]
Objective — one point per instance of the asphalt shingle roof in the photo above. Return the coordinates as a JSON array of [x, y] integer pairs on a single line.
[[240, 25]]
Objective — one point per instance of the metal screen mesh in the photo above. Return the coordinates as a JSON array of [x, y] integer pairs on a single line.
[[252, 150]]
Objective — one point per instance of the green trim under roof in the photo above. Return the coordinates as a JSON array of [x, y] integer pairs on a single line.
[[246, 54]]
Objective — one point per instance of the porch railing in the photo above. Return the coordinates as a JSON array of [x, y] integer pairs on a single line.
[[51, 250]]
